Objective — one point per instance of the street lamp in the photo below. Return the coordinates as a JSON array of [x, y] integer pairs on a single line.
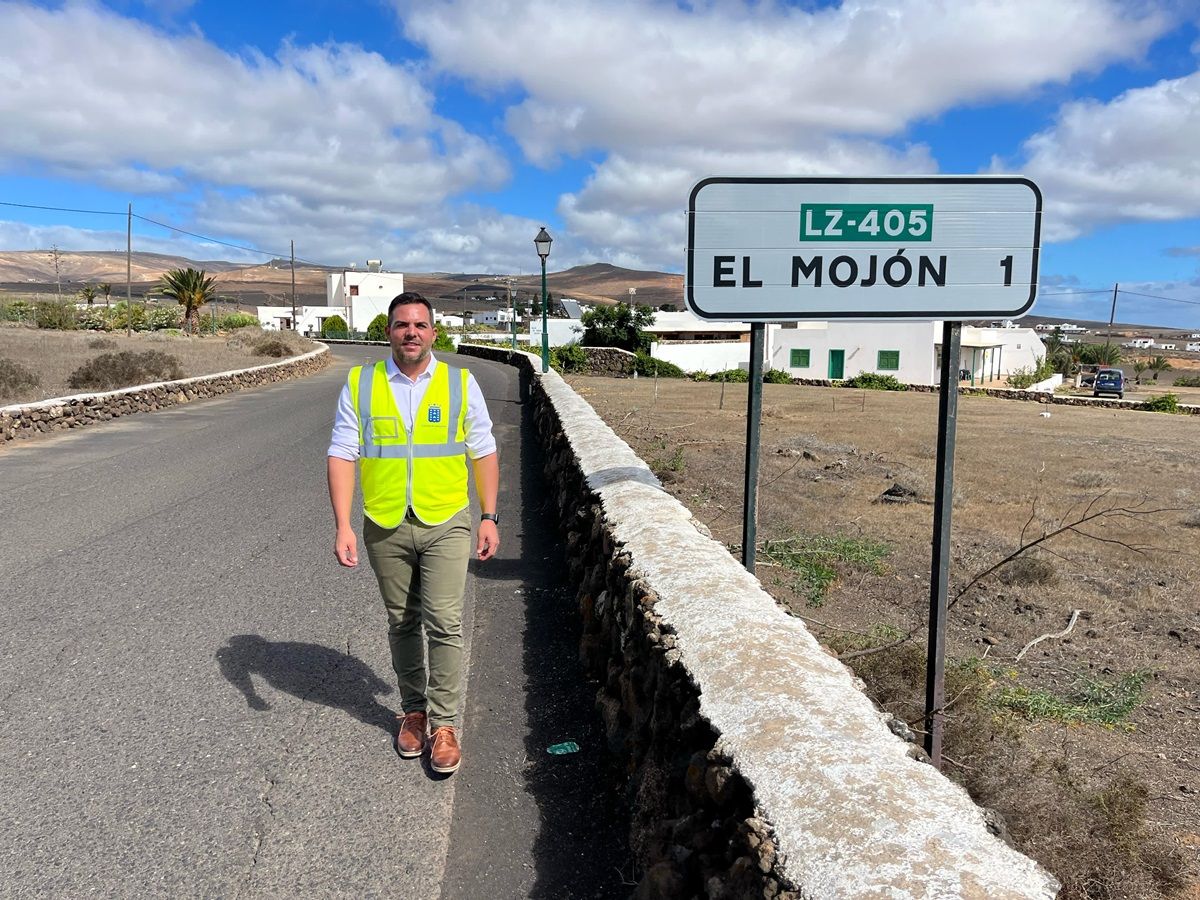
[[542, 243]]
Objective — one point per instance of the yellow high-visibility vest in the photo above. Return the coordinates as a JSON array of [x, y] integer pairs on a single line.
[[425, 470]]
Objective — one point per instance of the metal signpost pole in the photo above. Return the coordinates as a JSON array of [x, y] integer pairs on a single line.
[[939, 578], [753, 423]]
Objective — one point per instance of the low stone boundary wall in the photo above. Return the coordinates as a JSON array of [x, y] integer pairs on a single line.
[[757, 767], [1019, 394], [25, 420]]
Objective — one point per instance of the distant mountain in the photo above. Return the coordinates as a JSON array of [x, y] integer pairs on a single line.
[[270, 283]]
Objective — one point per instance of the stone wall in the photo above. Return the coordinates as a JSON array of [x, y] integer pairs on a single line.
[[1019, 394], [757, 768], [26, 420]]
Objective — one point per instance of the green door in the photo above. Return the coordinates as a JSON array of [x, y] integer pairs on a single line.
[[837, 363]]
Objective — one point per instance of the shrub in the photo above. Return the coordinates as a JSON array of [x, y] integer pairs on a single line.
[[776, 376], [1187, 381], [335, 326], [120, 319], [442, 342], [102, 344], [159, 318], [377, 330], [1166, 403], [873, 381], [647, 365], [736, 376], [236, 320], [16, 311], [15, 377], [94, 318], [110, 371], [52, 314], [569, 358], [272, 346]]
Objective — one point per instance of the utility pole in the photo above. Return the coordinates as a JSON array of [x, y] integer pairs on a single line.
[[1112, 316], [129, 273], [294, 286]]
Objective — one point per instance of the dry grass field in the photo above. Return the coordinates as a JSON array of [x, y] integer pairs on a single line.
[[1089, 745], [54, 355]]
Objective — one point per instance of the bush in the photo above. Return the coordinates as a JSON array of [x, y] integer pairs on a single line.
[[119, 319], [236, 320], [272, 346], [776, 376], [377, 330], [15, 377], [1167, 403], [110, 371], [160, 318], [16, 311], [335, 326], [569, 358], [52, 314], [735, 376], [102, 344], [1187, 381], [873, 381], [442, 342], [94, 318], [647, 365]]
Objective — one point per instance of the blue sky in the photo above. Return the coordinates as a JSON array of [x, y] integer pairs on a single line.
[[439, 136]]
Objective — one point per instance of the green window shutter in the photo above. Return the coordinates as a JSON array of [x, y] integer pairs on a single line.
[[889, 360], [799, 359]]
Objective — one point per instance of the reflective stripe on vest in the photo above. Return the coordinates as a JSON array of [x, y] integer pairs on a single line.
[[434, 450]]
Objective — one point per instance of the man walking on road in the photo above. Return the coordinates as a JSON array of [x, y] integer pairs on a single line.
[[410, 423]]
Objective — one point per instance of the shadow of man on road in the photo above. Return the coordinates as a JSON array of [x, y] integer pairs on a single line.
[[310, 672]]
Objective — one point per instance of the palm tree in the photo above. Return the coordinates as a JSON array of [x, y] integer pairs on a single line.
[[191, 289], [88, 293], [1139, 366], [1158, 365], [106, 290], [1102, 354]]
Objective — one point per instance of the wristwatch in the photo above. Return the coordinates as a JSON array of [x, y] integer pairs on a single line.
[[494, 517]]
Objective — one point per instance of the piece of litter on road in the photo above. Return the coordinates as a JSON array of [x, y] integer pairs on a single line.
[[1045, 415], [563, 748]]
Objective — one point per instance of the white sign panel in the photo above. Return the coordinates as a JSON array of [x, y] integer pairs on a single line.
[[783, 249]]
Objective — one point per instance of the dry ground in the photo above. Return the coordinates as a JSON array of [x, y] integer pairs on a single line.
[[1112, 805], [54, 355]]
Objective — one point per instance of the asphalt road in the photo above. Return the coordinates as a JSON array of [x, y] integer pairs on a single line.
[[195, 700]]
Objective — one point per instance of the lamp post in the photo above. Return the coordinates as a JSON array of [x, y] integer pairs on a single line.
[[542, 243]]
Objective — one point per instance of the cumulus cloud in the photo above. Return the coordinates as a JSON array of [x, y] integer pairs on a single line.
[[629, 74], [318, 125], [633, 207], [1133, 158]]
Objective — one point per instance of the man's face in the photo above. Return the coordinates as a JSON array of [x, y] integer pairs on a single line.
[[411, 334]]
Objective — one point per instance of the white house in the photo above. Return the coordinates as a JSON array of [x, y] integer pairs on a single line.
[[909, 351], [450, 321], [1139, 343], [561, 332], [495, 317], [363, 295], [1193, 347]]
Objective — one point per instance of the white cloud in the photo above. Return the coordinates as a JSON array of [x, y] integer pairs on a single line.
[[1134, 158], [318, 125], [630, 74], [23, 236], [633, 207]]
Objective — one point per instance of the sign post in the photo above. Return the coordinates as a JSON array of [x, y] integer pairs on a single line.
[[947, 249]]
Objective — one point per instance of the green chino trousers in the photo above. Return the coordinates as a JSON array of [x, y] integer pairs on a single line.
[[422, 571]]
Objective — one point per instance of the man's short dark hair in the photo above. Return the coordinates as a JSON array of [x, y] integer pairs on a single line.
[[406, 299]]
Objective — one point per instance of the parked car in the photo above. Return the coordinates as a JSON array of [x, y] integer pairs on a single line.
[[1109, 381]]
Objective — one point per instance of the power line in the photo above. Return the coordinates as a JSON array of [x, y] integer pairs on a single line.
[[93, 212], [202, 237], [1160, 297], [1072, 293]]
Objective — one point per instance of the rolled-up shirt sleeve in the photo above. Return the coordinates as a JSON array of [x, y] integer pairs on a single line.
[[344, 442], [480, 441]]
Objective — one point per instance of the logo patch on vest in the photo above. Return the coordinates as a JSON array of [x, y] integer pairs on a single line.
[[435, 414]]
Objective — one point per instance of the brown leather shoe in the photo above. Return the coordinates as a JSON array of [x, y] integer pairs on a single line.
[[444, 752], [410, 740]]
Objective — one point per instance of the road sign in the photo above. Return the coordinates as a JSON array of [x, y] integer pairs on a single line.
[[784, 249]]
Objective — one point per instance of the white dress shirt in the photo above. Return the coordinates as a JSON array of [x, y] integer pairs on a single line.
[[408, 394]]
